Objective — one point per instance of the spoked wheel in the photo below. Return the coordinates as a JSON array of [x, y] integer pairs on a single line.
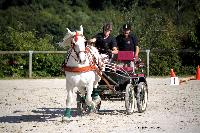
[[130, 99], [142, 96]]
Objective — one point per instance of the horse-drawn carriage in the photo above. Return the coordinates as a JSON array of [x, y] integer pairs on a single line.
[[122, 77]]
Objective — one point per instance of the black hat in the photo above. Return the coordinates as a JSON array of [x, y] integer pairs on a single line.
[[126, 27], [107, 27]]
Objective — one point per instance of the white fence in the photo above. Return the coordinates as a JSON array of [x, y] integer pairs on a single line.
[[30, 53]]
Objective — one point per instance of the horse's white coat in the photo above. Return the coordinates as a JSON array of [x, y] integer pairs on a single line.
[[83, 81]]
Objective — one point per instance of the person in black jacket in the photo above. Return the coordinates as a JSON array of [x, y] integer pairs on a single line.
[[104, 42], [127, 41]]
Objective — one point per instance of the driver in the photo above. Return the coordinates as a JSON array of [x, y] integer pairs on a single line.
[[104, 42], [107, 45]]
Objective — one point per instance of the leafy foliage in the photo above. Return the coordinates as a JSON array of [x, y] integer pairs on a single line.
[[163, 26]]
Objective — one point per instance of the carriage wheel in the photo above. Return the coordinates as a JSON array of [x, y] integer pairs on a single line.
[[142, 96], [130, 99]]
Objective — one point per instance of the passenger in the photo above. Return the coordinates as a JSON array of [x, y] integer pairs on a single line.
[[104, 42], [128, 41]]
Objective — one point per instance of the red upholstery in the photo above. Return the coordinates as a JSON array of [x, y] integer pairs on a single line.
[[125, 56]]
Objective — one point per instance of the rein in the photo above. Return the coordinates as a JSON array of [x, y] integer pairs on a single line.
[[76, 55]]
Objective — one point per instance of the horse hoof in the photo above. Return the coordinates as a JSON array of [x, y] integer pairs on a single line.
[[66, 119], [97, 100]]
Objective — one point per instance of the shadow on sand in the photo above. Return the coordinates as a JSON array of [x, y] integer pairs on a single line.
[[38, 115], [47, 114]]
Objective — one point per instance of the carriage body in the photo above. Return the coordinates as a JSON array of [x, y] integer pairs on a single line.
[[127, 78]]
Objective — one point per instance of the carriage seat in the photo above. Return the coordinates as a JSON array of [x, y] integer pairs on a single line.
[[125, 62], [124, 58]]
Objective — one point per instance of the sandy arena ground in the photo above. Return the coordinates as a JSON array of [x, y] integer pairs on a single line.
[[37, 106]]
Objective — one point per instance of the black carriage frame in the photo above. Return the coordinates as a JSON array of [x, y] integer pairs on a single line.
[[128, 83]]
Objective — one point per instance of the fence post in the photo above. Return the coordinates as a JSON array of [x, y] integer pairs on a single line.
[[30, 63], [147, 51]]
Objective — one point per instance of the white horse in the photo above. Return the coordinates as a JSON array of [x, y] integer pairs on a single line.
[[80, 68]]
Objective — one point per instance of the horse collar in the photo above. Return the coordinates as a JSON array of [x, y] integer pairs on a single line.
[[80, 69]]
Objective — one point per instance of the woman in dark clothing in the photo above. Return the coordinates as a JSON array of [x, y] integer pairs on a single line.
[[104, 42]]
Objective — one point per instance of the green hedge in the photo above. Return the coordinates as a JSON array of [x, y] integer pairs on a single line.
[[40, 25]]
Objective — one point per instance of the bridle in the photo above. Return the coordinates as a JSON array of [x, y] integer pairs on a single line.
[[74, 40]]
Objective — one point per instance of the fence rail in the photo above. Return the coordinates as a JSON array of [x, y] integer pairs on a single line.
[[30, 53]]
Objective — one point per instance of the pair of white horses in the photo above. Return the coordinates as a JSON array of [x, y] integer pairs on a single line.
[[81, 66]]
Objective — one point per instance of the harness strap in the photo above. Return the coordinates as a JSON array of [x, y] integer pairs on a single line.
[[106, 81], [79, 69]]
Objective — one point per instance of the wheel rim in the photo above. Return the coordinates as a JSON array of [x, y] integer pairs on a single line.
[[129, 99], [143, 97]]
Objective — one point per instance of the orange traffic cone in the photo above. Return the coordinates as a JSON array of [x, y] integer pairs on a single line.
[[174, 79], [172, 73], [198, 73]]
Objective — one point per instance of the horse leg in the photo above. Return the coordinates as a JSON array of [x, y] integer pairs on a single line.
[[89, 102], [95, 92], [69, 101], [97, 79]]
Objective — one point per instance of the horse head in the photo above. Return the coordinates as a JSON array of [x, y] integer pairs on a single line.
[[77, 41]]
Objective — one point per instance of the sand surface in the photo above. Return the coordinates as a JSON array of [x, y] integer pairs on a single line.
[[36, 106]]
